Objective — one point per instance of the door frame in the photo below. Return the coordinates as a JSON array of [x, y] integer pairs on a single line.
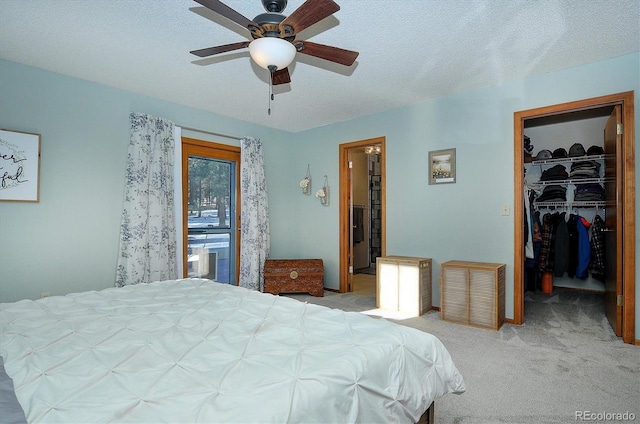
[[627, 203], [346, 210], [215, 151]]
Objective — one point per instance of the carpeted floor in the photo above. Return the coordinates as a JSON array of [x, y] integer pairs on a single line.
[[564, 361]]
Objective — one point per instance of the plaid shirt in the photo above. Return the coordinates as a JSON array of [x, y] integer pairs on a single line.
[[545, 243]]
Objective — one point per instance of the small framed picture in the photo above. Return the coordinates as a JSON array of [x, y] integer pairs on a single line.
[[442, 166], [19, 166]]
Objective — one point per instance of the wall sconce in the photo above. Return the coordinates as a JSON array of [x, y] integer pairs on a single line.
[[323, 193], [305, 183]]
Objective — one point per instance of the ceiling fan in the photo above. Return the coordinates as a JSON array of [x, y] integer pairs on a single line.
[[274, 43]]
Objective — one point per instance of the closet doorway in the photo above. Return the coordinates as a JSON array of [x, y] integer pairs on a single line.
[[618, 143], [362, 213]]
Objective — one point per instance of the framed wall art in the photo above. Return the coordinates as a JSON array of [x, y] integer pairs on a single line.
[[442, 166], [19, 166]]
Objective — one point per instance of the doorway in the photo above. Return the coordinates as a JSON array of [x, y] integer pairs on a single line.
[[362, 213], [211, 207], [620, 215]]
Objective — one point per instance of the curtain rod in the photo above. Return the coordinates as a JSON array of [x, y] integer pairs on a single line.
[[209, 132]]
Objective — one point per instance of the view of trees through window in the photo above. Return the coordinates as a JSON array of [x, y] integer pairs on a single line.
[[209, 189], [211, 227]]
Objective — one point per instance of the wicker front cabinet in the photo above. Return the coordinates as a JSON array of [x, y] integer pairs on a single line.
[[403, 284], [472, 293]]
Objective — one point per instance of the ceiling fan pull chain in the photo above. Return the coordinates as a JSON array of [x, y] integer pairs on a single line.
[[270, 98], [272, 70]]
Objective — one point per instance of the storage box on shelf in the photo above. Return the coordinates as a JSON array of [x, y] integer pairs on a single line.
[[403, 284], [294, 276], [472, 293]]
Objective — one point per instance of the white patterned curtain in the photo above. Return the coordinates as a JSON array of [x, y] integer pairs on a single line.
[[254, 218], [148, 230]]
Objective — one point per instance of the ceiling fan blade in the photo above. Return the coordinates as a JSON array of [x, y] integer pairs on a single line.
[[281, 76], [332, 54], [210, 51], [310, 12], [224, 10]]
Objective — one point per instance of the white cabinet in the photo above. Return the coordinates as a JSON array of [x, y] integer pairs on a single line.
[[472, 293], [403, 284]]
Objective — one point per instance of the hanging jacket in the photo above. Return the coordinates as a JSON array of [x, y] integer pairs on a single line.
[[584, 249], [561, 246], [572, 226], [528, 227], [597, 249], [537, 242]]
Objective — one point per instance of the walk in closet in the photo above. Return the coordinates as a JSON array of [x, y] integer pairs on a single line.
[[575, 163], [565, 202]]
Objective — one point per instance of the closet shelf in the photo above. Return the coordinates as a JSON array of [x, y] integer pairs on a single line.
[[578, 204], [569, 159], [574, 181]]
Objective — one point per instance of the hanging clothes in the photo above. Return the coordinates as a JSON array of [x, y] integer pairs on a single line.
[[550, 223], [561, 246], [584, 249], [545, 242], [597, 249], [572, 227], [537, 242], [528, 226]]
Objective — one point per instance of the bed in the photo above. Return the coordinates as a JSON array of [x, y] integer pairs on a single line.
[[198, 351]]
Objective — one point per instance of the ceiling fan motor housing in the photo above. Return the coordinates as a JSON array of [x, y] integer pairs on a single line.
[[270, 26], [276, 6]]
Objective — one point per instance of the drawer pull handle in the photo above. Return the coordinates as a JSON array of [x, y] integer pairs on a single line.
[[293, 275]]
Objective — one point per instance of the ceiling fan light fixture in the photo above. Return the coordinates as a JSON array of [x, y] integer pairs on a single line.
[[272, 51]]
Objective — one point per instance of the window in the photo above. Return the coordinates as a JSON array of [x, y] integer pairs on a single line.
[[210, 210]]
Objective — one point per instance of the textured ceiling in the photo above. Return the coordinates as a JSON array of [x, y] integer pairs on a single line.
[[410, 51]]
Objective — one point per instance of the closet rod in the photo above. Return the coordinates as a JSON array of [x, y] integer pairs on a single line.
[[209, 132]]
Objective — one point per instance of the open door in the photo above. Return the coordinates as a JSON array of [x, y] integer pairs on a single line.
[[613, 220], [350, 258], [346, 207]]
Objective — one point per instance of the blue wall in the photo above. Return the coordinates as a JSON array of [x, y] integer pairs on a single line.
[[452, 221], [68, 241]]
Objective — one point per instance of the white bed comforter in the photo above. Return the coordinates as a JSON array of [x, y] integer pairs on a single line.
[[197, 351]]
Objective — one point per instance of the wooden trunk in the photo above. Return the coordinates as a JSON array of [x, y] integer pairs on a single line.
[[294, 276]]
